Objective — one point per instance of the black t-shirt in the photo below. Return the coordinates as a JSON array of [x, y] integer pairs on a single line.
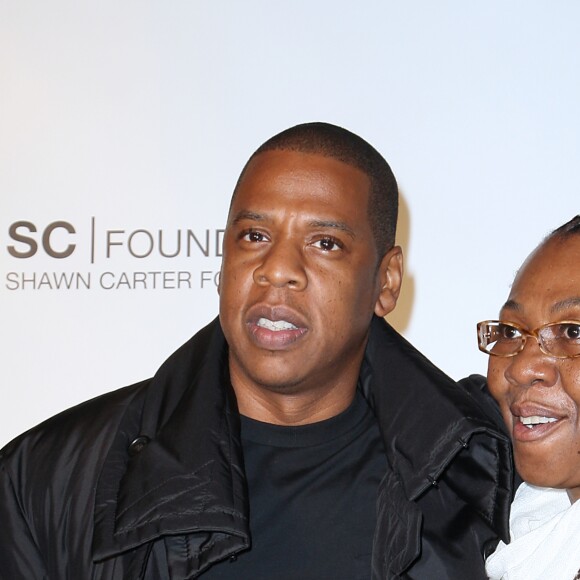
[[312, 493]]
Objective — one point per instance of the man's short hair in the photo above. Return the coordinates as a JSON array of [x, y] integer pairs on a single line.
[[343, 145]]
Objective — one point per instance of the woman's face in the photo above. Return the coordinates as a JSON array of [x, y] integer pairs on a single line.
[[538, 394]]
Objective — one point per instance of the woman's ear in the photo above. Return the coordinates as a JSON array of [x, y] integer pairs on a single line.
[[390, 276]]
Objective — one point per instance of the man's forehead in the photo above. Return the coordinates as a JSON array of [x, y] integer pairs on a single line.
[[301, 163], [271, 175]]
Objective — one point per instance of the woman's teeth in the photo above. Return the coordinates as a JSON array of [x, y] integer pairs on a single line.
[[534, 420]]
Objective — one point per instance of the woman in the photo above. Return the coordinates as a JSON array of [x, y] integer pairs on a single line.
[[534, 375]]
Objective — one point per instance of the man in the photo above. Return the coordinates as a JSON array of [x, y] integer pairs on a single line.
[[298, 436]]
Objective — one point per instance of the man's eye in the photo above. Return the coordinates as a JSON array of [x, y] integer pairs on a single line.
[[328, 244], [253, 236]]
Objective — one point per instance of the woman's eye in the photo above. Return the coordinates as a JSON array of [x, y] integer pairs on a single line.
[[328, 244], [507, 332], [571, 331]]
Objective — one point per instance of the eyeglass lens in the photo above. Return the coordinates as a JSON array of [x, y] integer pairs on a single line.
[[560, 339]]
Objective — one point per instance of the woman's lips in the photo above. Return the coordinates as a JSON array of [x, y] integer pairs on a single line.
[[533, 423], [523, 432]]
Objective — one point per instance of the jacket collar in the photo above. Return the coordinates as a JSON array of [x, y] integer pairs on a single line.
[[435, 428], [188, 478]]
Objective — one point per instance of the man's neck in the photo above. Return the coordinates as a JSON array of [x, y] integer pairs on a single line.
[[293, 409]]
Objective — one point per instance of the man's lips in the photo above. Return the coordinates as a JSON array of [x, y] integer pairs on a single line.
[[275, 327]]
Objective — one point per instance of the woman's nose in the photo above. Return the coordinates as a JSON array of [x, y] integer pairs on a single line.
[[531, 366]]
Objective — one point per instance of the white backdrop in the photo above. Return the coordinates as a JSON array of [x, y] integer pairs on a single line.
[[124, 125]]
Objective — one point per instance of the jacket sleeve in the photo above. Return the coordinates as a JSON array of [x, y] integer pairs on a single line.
[[20, 558]]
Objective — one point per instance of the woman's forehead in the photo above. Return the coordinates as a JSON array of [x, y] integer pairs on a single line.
[[549, 279]]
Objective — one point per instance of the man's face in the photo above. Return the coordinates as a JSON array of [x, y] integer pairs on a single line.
[[299, 280], [533, 384]]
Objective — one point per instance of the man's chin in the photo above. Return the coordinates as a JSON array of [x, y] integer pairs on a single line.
[[279, 385], [271, 372]]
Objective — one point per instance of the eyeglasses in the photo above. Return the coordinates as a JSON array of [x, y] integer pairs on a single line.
[[557, 339]]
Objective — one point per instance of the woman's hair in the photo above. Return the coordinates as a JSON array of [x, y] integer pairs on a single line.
[[568, 229]]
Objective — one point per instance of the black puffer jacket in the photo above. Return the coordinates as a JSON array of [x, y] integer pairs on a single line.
[[148, 481]]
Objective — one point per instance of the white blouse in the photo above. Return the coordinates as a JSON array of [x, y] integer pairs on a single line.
[[545, 537]]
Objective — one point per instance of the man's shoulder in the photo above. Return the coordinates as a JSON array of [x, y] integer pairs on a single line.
[[85, 432], [74, 431], [410, 378], [476, 387]]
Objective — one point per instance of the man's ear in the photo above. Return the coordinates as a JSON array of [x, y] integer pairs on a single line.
[[390, 278]]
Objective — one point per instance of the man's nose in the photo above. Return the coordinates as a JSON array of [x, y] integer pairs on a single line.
[[531, 366], [283, 265]]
